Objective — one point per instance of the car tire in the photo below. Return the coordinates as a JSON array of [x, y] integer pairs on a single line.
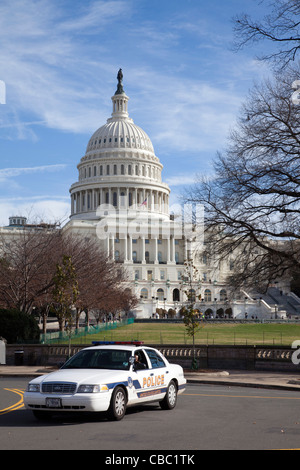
[[117, 408], [170, 400]]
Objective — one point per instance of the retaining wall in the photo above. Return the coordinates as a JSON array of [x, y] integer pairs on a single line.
[[208, 356]]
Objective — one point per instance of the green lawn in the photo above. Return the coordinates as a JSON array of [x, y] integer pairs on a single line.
[[231, 334]]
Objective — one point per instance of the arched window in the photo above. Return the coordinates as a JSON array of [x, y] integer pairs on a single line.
[[223, 295], [176, 295], [117, 255], [144, 293], [115, 198], [122, 170], [207, 295], [160, 294], [192, 295]]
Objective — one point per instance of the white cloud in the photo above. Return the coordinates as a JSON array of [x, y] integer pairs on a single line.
[[39, 208], [180, 180], [7, 173], [11, 172], [46, 61]]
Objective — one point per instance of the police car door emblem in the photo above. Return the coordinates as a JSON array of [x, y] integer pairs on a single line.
[[130, 382]]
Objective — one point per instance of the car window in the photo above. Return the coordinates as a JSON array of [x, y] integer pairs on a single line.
[[155, 359], [142, 357], [99, 359]]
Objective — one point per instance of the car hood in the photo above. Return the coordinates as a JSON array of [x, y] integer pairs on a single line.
[[88, 376]]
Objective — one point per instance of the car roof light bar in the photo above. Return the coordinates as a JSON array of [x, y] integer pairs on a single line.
[[134, 343]]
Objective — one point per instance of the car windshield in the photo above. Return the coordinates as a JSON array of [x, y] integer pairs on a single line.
[[99, 359]]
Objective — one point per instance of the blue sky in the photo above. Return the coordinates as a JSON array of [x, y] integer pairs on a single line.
[[59, 60]]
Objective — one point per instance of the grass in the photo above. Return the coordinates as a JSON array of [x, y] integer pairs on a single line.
[[209, 333]]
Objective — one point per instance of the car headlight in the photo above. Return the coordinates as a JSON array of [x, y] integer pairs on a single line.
[[86, 388], [33, 387]]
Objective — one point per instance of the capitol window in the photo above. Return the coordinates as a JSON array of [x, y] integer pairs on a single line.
[[160, 294], [207, 295], [144, 293]]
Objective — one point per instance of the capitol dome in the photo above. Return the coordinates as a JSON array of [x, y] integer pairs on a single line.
[[119, 165], [119, 134]]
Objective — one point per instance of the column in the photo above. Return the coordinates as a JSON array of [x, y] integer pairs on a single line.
[[155, 251], [130, 249], [173, 249], [168, 250], [143, 250], [125, 249], [113, 246]]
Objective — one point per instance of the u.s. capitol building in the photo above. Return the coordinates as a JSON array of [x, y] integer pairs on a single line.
[[121, 199]]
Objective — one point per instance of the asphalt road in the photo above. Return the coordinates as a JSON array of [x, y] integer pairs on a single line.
[[206, 417]]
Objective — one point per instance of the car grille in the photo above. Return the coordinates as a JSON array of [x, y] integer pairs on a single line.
[[60, 388]]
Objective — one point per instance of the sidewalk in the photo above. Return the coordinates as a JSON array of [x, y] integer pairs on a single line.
[[258, 379]]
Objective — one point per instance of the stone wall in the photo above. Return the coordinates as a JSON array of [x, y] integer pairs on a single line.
[[208, 356]]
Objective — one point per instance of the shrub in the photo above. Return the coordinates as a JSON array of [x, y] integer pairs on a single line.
[[17, 327]]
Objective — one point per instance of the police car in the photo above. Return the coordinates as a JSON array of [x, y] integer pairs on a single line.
[[109, 376]]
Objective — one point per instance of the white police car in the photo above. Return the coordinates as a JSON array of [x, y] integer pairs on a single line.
[[109, 376]]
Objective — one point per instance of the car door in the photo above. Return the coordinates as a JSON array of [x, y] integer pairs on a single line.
[[140, 388], [151, 382]]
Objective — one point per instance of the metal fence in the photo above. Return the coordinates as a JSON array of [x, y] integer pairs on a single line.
[[60, 336]]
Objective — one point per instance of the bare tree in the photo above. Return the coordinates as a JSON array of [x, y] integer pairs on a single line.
[[27, 262], [102, 283], [253, 201], [281, 27]]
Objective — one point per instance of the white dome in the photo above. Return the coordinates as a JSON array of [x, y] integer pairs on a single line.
[[119, 168], [120, 133]]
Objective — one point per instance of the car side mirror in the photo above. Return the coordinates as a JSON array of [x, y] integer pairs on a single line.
[[132, 362]]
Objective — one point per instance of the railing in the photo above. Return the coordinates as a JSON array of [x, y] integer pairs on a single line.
[[59, 336]]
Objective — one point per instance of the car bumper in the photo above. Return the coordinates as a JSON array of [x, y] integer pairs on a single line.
[[79, 402]]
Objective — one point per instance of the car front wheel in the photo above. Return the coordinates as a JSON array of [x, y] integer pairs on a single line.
[[117, 407], [170, 400]]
